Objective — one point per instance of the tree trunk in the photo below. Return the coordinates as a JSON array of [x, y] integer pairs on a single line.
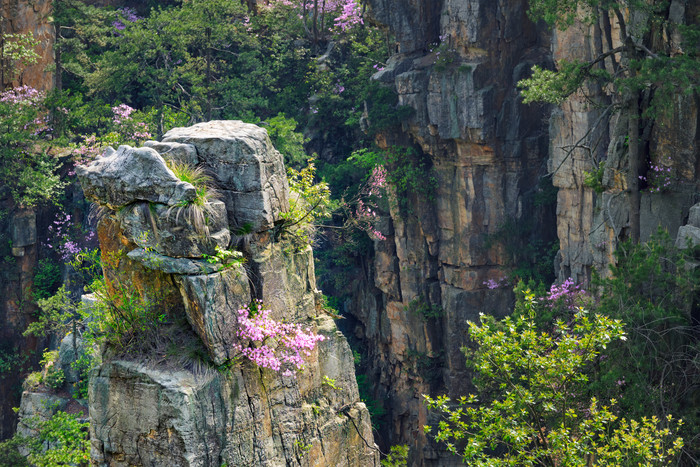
[[634, 166], [208, 32]]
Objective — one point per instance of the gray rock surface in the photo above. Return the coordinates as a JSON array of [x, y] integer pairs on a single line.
[[249, 171], [169, 231], [131, 174], [183, 153], [211, 303], [170, 265]]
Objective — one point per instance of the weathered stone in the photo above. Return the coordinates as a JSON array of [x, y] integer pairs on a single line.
[[121, 177], [285, 280], [694, 216], [688, 233], [183, 153], [170, 265], [211, 303], [67, 355], [247, 168], [237, 418], [169, 231], [23, 229]]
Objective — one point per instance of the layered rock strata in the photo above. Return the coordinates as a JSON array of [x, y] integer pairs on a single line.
[[456, 66], [161, 410]]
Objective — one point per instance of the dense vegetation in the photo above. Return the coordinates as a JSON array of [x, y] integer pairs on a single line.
[[302, 70]]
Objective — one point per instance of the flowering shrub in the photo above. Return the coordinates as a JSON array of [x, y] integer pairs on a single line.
[[272, 344], [534, 407], [659, 176], [567, 295], [68, 239], [26, 168]]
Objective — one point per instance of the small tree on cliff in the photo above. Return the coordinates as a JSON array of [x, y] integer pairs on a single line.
[[654, 59]]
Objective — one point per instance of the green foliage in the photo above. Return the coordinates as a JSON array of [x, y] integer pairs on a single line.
[[47, 278], [652, 288], [55, 315], [330, 382], [410, 172], [61, 440], [532, 407], [16, 53], [55, 378], [227, 258], [27, 169], [282, 131], [10, 455], [397, 457], [122, 318], [310, 202], [423, 309], [594, 179], [10, 361]]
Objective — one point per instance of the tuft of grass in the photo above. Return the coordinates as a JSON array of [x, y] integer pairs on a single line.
[[197, 211]]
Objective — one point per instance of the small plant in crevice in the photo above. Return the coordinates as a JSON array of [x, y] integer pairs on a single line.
[[594, 178], [330, 382], [227, 258], [278, 346], [419, 306], [197, 211]]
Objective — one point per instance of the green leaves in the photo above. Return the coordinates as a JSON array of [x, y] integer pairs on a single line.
[[534, 409]]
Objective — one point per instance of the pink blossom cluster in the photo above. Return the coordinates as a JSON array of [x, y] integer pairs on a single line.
[[126, 126], [21, 95], [122, 113], [350, 16], [86, 152], [659, 176], [496, 284], [567, 294], [366, 218], [67, 239], [272, 344], [349, 12]]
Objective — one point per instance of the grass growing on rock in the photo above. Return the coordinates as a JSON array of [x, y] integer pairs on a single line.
[[197, 211]]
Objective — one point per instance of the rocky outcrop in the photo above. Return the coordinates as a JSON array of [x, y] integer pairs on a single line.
[[168, 407], [456, 66]]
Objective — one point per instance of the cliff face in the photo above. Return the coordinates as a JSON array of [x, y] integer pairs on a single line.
[[456, 65], [589, 224], [21, 17], [160, 407]]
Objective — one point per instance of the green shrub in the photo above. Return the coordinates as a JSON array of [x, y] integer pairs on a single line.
[[47, 279], [55, 378], [533, 407], [197, 211]]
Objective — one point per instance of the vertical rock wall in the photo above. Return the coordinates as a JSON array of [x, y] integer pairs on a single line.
[[159, 408], [456, 65], [589, 224]]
